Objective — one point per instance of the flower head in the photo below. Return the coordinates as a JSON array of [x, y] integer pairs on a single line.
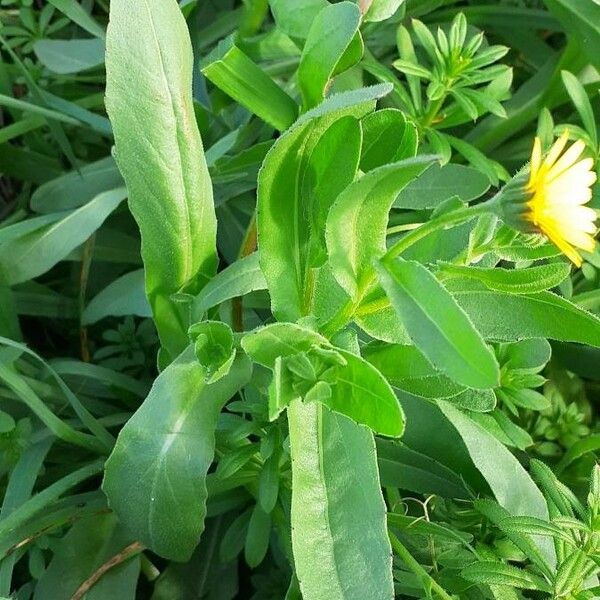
[[558, 187]]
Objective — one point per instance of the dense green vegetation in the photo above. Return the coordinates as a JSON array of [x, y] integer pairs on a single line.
[[291, 303]]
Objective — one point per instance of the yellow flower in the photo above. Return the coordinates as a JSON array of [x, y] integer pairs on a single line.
[[559, 186]]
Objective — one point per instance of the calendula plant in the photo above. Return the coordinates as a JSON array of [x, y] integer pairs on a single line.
[[341, 341]]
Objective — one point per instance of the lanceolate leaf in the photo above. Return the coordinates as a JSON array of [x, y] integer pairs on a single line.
[[159, 151], [330, 34], [34, 253], [439, 328], [507, 317], [124, 296], [511, 484], [515, 281], [339, 537], [301, 176], [357, 222], [155, 478], [240, 278], [242, 79]]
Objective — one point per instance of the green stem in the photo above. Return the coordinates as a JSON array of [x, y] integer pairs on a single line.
[[433, 110], [417, 569]]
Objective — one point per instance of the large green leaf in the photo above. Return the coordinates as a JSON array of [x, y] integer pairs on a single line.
[[301, 176], [508, 317], [357, 222], [339, 537], [159, 152], [330, 34], [511, 484], [437, 325], [155, 478]]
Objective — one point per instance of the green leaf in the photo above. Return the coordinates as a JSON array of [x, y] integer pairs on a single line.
[[149, 81], [543, 315], [77, 14], [387, 137], [268, 483], [336, 500], [528, 356], [406, 368], [295, 17], [581, 20], [499, 425], [582, 103], [301, 176], [514, 281], [266, 344], [478, 401], [330, 34], [241, 78], [257, 537], [497, 573], [571, 573], [281, 389], [167, 448], [578, 449], [234, 538], [214, 348], [512, 486], [496, 514], [440, 183], [70, 56], [88, 544], [534, 526], [124, 296], [360, 392], [407, 469], [437, 325], [34, 252], [238, 279], [357, 222], [380, 10], [204, 574], [76, 188]]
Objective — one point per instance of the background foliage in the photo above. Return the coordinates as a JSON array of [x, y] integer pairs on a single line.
[[236, 468]]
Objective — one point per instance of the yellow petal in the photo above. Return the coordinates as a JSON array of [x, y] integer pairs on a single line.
[[536, 158], [556, 149], [566, 160], [563, 246]]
